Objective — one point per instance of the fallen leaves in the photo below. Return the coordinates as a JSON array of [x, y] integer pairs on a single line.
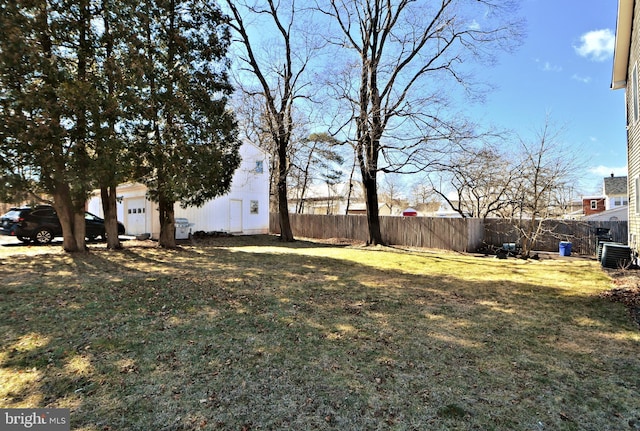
[[627, 292]]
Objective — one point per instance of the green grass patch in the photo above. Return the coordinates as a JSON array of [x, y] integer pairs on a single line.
[[250, 333]]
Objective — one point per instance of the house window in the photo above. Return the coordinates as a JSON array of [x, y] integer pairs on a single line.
[[620, 201], [634, 92], [594, 205], [259, 167], [253, 207]]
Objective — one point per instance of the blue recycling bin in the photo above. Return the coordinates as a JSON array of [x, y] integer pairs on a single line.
[[565, 248]]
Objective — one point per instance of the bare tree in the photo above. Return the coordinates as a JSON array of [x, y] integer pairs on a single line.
[[544, 170], [480, 180], [422, 192], [314, 160], [402, 55], [390, 191], [280, 74], [423, 196]]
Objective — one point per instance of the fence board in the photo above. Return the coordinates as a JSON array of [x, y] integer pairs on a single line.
[[581, 234], [465, 235]]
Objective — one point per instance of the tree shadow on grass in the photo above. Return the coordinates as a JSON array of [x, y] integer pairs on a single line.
[[214, 338]]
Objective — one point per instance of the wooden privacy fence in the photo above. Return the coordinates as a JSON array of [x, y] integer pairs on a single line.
[[581, 234], [445, 233], [449, 234], [464, 235]]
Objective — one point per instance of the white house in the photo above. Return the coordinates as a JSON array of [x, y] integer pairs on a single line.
[[244, 210], [615, 192]]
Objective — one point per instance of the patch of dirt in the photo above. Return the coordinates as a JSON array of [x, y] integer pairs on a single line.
[[626, 290]]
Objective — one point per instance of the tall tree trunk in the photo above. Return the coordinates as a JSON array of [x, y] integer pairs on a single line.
[[373, 219], [66, 221], [80, 134], [286, 234], [69, 220], [109, 206], [108, 182], [167, 223], [367, 152], [80, 228], [53, 172]]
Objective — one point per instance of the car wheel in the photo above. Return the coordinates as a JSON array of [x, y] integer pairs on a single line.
[[43, 236], [24, 239]]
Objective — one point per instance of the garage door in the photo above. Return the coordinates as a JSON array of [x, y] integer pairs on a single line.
[[135, 214]]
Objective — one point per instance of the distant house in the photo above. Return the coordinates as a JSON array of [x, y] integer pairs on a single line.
[[446, 211], [614, 214], [614, 196], [336, 199], [326, 198], [243, 210], [427, 209], [361, 209], [615, 192], [593, 205], [574, 211], [626, 61]]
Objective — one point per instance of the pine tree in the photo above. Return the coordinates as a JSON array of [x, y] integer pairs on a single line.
[[46, 51], [84, 84], [186, 136]]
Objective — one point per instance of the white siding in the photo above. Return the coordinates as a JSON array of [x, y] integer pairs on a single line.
[[248, 186]]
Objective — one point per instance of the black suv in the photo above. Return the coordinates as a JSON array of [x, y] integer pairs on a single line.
[[41, 224]]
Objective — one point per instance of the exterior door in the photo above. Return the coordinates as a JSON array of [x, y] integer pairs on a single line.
[[135, 215], [235, 216]]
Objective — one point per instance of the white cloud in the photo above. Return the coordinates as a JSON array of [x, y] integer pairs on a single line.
[[548, 67], [605, 171], [583, 79], [596, 45], [474, 25]]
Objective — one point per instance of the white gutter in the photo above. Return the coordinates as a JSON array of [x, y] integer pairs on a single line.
[[623, 44]]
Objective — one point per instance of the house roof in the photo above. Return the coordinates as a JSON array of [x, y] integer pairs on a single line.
[[618, 213], [623, 44], [615, 186]]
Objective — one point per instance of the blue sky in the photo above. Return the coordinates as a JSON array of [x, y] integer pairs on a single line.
[[564, 68]]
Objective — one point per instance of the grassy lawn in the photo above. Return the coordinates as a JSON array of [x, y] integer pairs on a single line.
[[249, 333]]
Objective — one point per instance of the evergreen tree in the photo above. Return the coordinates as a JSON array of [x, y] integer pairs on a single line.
[[46, 57], [186, 137], [113, 155], [84, 84]]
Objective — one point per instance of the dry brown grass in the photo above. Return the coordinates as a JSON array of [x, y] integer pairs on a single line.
[[250, 333]]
